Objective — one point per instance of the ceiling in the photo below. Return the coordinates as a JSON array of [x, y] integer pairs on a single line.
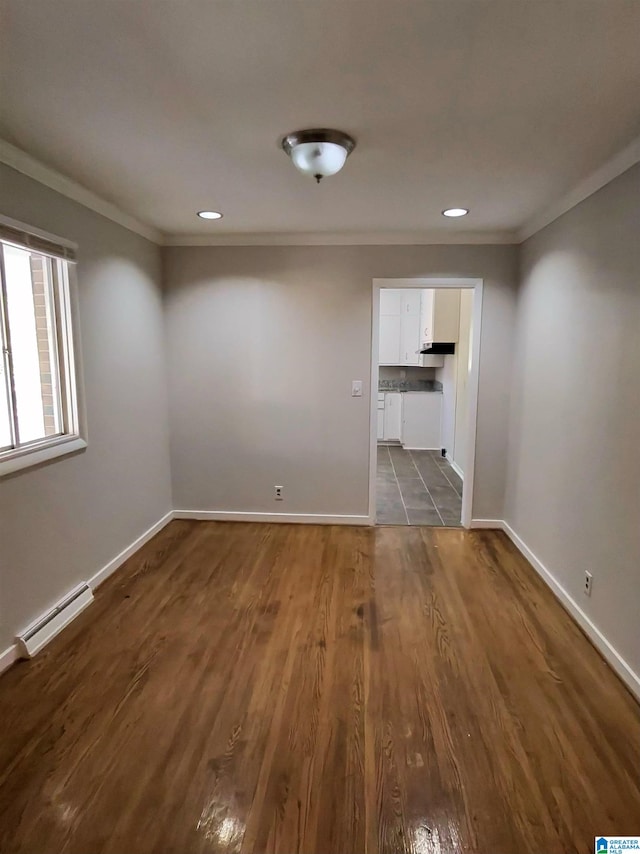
[[165, 108]]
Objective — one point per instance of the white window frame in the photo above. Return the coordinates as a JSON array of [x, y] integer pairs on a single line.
[[73, 437]]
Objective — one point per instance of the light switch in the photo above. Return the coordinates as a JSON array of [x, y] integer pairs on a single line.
[[356, 388]]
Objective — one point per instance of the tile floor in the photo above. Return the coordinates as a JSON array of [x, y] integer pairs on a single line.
[[416, 488]]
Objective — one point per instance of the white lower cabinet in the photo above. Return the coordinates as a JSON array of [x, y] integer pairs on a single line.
[[421, 416], [392, 416], [380, 414]]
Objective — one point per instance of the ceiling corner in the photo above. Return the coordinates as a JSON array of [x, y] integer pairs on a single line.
[[611, 169], [28, 165]]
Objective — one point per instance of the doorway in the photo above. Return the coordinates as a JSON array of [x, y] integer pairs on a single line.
[[424, 376]]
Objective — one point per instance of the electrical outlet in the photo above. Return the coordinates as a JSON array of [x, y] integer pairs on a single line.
[[588, 583], [277, 493]]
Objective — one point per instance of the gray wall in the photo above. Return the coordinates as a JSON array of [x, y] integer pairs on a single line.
[[574, 469], [263, 343], [62, 522]]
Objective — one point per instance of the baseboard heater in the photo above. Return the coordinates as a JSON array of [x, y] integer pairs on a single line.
[[45, 628]]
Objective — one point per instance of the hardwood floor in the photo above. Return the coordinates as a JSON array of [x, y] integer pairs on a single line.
[[277, 688]]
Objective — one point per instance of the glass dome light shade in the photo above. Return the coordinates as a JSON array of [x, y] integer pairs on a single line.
[[318, 151], [318, 158]]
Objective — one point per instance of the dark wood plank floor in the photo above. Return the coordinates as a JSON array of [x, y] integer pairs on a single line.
[[260, 688]]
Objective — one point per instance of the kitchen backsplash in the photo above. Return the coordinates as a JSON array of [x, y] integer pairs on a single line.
[[409, 385], [410, 374], [408, 379]]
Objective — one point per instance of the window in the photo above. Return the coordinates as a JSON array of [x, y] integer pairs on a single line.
[[38, 394]]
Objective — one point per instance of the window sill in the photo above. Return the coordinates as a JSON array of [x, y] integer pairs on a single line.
[[30, 457]]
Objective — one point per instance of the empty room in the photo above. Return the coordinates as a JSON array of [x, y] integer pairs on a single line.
[[319, 419]]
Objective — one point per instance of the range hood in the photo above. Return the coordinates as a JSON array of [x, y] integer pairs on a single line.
[[438, 350]]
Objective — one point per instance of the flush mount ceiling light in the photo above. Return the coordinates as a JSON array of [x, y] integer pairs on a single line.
[[453, 212], [209, 215], [318, 151]]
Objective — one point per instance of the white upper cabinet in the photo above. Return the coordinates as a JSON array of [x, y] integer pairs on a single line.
[[411, 301], [413, 318], [410, 339], [440, 316], [391, 301], [390, 333], [400, 326]]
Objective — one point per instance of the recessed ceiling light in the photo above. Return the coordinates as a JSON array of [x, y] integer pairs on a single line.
[[209, 215], [455, 212]]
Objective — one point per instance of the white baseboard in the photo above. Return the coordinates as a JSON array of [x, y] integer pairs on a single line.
[[8, 657], [12, 653], [454, 465], [612, 656], [48, 625], [107, 570], [617, 662], [296, 518]]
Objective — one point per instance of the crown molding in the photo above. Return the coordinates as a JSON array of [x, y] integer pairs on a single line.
[[361, 238], [606, 173], [24, 163]]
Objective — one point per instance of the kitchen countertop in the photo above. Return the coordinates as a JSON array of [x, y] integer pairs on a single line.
[[409, 385]]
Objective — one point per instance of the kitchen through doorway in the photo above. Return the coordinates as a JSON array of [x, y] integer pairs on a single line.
[[425, 373]]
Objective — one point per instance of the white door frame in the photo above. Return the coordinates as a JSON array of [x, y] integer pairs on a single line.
[[474, 375]]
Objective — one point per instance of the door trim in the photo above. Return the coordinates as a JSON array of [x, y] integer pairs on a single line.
[[474, 376]]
